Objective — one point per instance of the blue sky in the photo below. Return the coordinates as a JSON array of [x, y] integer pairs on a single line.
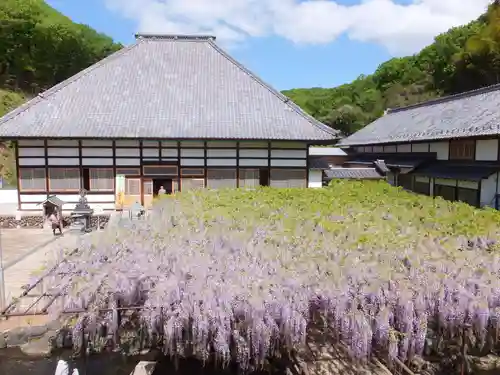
[[304, 44]]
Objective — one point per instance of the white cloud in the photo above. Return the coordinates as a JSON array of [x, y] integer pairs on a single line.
[[402, 29]]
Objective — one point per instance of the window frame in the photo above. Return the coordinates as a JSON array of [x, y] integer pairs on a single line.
[[186, 172], [277, 183], [243, 173], [52, 189], [209, 177], [462, 149], [112, 180], [132, 181], [199, 179], [32, 170], [170, 170], [137, 171]]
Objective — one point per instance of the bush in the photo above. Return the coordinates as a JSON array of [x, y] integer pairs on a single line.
[[241, 274]]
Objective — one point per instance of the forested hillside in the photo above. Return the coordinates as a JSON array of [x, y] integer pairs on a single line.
[[464, 58], [40, 47]]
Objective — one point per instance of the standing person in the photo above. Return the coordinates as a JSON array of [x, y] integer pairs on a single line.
[[162, 191], [55, 222]]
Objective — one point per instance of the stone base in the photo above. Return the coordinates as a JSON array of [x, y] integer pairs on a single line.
[[38, 221]]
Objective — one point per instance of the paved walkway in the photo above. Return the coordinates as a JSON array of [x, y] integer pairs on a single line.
[[17, 243], [34, 263]]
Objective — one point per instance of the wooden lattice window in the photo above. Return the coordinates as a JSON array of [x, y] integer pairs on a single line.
[[132, 186], [159, 170], [288, 178], [462, 149], [192, 183], [128, 171], [221, 178], [32, 179], [192, 172], [147, 187], [101, 179], [249, 178], [64, 179]]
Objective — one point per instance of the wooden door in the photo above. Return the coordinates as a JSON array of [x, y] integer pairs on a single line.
[[147, 190], [132, 191]]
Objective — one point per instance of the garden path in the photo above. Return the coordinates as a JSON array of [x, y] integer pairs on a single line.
[[29, 252]]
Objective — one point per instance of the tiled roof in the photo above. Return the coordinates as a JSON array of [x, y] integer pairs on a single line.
[[457, 171], [473, 113], [318, 162], [182, 87], [352, 173]]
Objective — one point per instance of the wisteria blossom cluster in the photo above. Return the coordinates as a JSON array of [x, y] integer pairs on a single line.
[[241, 274]]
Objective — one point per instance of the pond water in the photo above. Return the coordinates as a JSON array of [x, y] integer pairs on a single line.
[[14, 362]]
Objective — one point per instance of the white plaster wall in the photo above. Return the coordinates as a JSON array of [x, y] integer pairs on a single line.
[[288, 144], [221, 153], [169, 153], [315, 178], [100, 152], [8, 196], [420, 147], [253, 163], [288, 162], [62, 152], [31, 161], [32, 198], [254, 153], [288, 154], [30, 142], [441, 149], [97, 162], [31, 152], [487, 149], [488, 191], [221, 162], [192, 162], [63, 161], [404, 147], [190, 153]]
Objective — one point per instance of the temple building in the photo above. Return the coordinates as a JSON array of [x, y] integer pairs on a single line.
[[168, 111]]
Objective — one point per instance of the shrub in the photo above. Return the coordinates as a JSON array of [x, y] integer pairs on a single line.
[[241, 274]]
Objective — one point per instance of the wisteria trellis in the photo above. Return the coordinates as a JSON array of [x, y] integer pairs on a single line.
[[242, 273]]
